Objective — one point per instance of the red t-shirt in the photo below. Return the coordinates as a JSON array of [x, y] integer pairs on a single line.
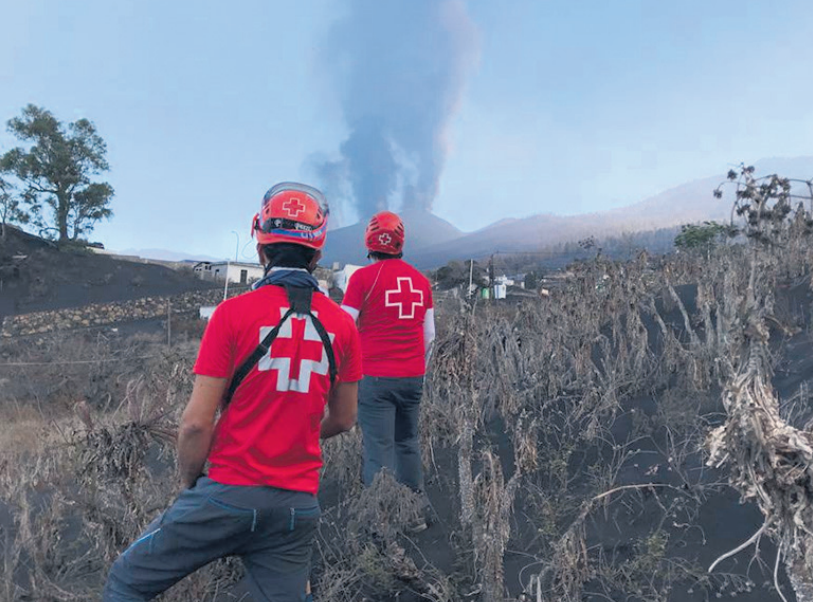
[[269, 434], [392, 298]]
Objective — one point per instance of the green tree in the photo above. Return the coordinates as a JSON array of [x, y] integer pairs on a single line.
[[56, 171], [532, 280], [700, 236], [456, 273], [11, 209]]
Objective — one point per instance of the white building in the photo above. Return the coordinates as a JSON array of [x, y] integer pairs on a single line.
[[342, 277], [236, 271], [516, 280], [205, 312]]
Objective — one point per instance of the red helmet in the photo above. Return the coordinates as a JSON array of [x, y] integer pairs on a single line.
[[293, 213], [385, 233]]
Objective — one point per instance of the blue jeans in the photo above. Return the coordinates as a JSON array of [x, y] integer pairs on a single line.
[[388, 415], [270, 529]]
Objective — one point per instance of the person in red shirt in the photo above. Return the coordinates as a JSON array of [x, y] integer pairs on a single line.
[[258, 500], [392, 304]]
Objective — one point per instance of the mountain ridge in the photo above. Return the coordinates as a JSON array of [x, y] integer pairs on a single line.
[[423, 229], [167, 255], [689, 202]]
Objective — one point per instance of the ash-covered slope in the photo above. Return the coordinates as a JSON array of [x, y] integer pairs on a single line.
[[37, 276]]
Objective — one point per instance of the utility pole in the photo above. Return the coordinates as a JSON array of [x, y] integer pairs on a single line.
[[226, 285], [236, 246], [471, 272]]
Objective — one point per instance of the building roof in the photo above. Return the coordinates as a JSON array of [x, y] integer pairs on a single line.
[[241, 264]]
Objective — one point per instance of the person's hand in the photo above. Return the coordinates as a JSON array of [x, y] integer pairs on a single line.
[[185, 483]]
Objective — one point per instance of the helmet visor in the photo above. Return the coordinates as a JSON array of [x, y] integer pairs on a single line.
[[312, 192]]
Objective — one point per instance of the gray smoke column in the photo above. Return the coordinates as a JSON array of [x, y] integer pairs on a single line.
[[400, 67]]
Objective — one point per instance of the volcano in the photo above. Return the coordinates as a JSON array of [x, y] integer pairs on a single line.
[[423, 230], [432, 241]]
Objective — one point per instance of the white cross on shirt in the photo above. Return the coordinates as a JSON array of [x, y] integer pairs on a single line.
[[404, 300]]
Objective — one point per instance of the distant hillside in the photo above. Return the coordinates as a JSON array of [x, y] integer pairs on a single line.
[[555, 257], [35, 276], [424, 230], [168, 255], [687, 203], [432, 241]]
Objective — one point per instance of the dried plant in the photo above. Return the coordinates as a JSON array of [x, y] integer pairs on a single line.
[[770, 461], [491, 524], [362, 547], [530, 419]]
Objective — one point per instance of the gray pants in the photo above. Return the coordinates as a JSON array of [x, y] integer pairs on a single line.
[[270, 529], [388, 415]]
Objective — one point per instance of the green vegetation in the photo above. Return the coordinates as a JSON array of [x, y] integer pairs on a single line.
[[49, 181], [700, 236], [456, 273], [11, 210]]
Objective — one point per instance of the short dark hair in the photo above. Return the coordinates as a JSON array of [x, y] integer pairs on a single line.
[[289, 255], [380, 256]]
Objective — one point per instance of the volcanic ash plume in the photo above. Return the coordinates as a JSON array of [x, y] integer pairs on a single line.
[[399, 68]]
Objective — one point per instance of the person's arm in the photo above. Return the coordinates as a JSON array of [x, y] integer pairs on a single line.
[[197, 427], [428, 333], [354, 313], [341, 410], [353, 300]]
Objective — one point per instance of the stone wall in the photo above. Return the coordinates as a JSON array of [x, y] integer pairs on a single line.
[[100, 314]]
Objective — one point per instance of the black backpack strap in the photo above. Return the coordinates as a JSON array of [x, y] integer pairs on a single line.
[[300, 300], [331, 356], [251, 361]]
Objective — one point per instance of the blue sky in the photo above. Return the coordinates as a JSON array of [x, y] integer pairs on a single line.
[[569, 107]]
